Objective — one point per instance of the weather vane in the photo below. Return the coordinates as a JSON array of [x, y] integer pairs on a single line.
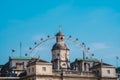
[[60, 28]]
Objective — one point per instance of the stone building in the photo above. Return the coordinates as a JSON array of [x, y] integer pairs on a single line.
[[15, 66], [84, 64], [60, 68], [104, 71], [38, 69], [60, 53]]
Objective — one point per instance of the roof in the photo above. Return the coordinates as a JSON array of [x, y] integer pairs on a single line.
[[103, 64], [106, 64], [21, 57], [57, 46], [89, 59], [92, 60], [38, 60], [34, 61], [59, 34]]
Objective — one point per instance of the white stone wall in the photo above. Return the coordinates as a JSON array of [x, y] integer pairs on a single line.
[[44, 69], [63, 54], [13, 63], [41, 69], [30, 70], [108, 72]]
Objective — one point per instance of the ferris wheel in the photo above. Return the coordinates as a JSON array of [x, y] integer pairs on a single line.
[[85, 50]]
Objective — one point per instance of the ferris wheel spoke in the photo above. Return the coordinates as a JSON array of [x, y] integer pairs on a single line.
[[76, 41]]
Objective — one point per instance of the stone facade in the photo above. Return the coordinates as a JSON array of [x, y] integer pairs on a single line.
[[15, 66], [45, 72], [39, 67], [60, 67], [60, 53]]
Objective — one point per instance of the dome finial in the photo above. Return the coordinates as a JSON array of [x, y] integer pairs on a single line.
[[60, 27], [60, 33]]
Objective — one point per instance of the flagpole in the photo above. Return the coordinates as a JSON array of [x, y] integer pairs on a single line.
[[20, 49], [117, 61]]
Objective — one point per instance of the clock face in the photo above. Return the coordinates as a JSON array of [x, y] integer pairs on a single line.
[[63, 55]]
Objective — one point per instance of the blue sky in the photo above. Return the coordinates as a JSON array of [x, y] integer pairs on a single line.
[[95, 22]]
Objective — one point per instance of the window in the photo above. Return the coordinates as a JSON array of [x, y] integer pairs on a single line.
[[32, 69], [20, 65], [58, 54], [108, 71], [61, 38], [44, 68], [29, 70]]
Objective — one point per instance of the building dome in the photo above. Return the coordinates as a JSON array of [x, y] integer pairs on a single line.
[[59, 34], [60, 47]]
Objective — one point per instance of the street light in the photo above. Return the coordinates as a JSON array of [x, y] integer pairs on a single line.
[[61, 74]]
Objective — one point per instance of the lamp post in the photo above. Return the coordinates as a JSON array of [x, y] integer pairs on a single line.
[[61, 74]]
